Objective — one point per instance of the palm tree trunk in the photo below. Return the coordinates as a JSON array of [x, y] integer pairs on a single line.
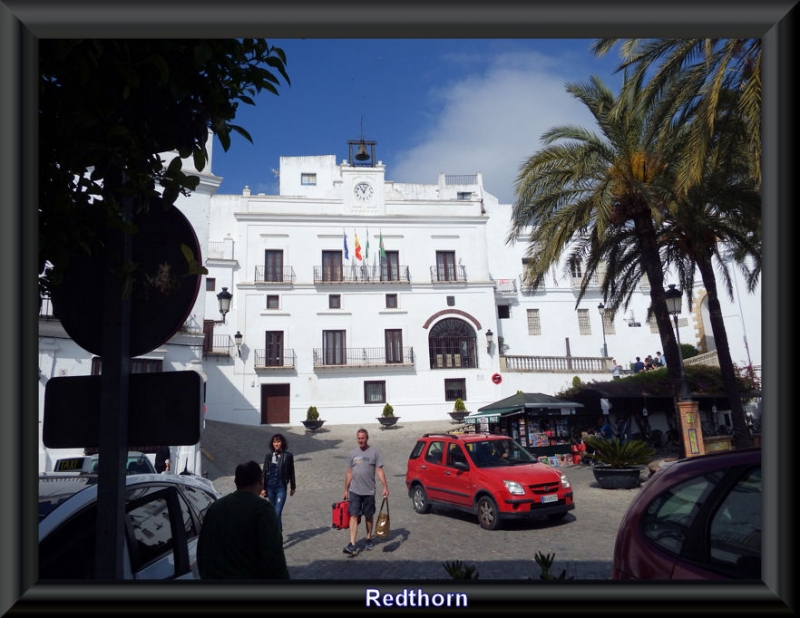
[[741, 433]]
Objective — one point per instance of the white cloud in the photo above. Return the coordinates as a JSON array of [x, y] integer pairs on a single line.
[[491, 122]]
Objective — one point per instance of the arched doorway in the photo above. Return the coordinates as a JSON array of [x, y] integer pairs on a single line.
[[452, 344]]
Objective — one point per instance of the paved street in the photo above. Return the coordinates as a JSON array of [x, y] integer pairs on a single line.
[[418, 544]]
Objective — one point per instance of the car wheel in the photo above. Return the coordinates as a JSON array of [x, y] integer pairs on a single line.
[[488, 515], [420, 500]]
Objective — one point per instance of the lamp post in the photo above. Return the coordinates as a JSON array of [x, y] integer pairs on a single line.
[[602, 309], [237, 339], [674, 298], [224, 298], [489, 341]]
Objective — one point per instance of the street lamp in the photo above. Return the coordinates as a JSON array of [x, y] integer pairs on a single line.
[[237, 339], [224, 298], [674, 301], [602, 309], [489, 341]]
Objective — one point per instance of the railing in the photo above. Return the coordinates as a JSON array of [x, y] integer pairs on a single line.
[[362, 274], [284, 361], [218, 345], [594, 282], [556, 364], [274, 275], [46, 308], [505, 287], [216, 249], [463, 179], [362, 357], [448, 274]]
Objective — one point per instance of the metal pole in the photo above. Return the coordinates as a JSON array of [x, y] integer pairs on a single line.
[[684, 383]]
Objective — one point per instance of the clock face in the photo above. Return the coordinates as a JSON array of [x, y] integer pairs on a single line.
[[363, 191]]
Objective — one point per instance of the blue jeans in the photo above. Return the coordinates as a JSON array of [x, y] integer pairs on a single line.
[[276, 494]]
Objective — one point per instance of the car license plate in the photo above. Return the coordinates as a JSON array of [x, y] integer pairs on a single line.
[[550, 498]]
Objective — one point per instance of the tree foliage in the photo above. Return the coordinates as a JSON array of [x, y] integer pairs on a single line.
[[108, 111]]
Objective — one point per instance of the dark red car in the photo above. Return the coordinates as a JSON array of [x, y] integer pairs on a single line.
[[697, 518], [491, 476]]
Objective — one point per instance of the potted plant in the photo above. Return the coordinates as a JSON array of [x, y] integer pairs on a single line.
[[312, 422], [387, 417], [459, 410], [618, 463]]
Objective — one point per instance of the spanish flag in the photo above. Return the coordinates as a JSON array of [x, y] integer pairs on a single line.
[[358, 247]]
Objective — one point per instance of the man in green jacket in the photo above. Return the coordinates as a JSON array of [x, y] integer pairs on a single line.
[[241, 536]]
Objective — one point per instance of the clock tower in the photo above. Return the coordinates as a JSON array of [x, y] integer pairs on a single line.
[[362, 179]]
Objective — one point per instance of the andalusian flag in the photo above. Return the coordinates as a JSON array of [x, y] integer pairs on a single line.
[[383, 251], [358, 246], [346, 252]]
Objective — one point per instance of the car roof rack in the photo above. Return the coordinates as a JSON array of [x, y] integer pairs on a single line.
[[442, 434]]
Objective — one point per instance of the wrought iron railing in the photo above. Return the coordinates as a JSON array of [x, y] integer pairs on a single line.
[[274, 275], [448, 274], [363, 357], [362, 273], [218, 345], [505, 287], [556, 364], [275, 361]]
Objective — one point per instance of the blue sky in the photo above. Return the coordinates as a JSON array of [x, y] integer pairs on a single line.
[[458, 106]]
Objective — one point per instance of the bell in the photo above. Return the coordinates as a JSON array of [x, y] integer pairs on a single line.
[[362, 154]]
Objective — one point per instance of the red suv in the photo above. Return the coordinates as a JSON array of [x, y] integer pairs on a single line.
[[488, 475]]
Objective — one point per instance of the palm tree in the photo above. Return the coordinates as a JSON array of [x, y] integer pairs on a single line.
[[584, 193], [686, 73]]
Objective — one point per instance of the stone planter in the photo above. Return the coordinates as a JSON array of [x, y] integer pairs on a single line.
[[458, 417], [312, 426], [387, 421], [617, 478]]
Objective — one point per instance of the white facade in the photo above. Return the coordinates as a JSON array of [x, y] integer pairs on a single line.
[[548, 339]]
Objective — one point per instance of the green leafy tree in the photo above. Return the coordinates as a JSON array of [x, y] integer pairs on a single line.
[[110, 108]]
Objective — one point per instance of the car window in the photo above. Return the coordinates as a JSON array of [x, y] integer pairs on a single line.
[[68, 551], [669, 516], [735, 533], [199, 500], [434, 453], [455, 454]]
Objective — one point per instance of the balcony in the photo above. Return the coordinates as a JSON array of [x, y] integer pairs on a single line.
[[363, 357], [505, 287], [274, 275], [556, 364], [448, 274], [275, 361], [218, 346], [362, 274]]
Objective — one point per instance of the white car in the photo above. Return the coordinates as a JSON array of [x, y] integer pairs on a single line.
[[137, 463], [163, 517]]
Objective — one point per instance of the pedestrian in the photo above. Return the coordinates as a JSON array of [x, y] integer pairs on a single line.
[[606, 430], [661, 361], [278, 475], [162, 459], [622, 429], [241, 537], [363, 462], [648, 363], [638, 365], [616, 369]]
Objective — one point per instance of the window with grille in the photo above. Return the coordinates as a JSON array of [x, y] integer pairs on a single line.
[[273, 265], [375, 392], [391, 301], [394, 345], [273, 301], [584, 326], [576, 271], [455, 388], [333, 347], [211, 284], [308, 180], [653, 324], [332, 266], [446, 266], [138, 365], [452, 343], [503, 312], [534, 322], [334, 301], [390, 266]]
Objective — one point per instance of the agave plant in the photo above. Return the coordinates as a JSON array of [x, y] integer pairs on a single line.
[[616, 453]]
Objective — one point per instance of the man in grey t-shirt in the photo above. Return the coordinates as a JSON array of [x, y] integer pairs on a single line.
[[363, 463]]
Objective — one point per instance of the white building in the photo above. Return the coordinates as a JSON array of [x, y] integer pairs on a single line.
[[410, 326]]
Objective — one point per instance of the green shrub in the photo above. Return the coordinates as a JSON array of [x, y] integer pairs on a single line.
[[388, 410], [459, 406], [312, 414], [618, 454]]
